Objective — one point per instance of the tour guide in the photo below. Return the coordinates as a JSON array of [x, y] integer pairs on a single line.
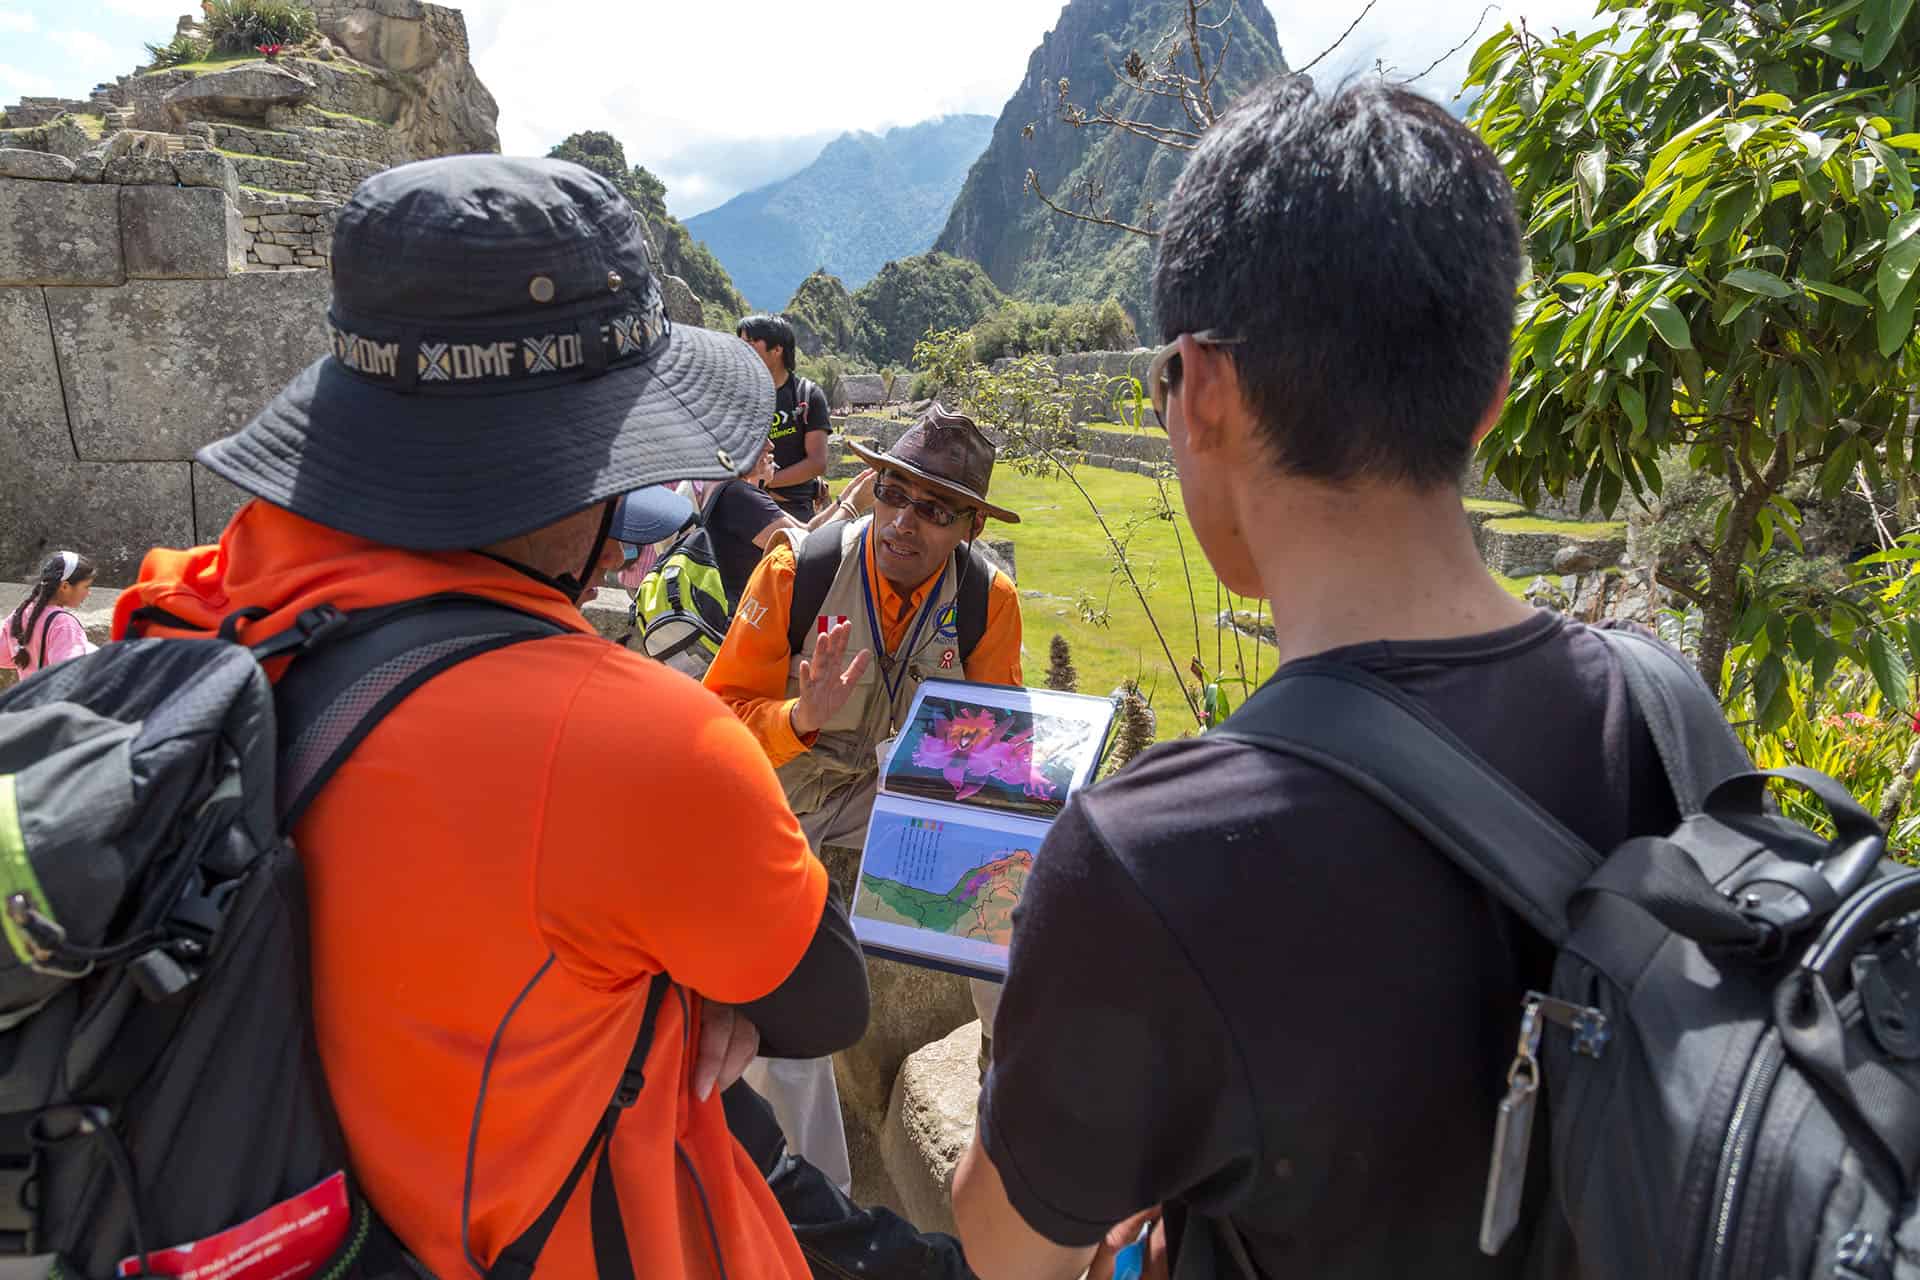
[[907, 587]]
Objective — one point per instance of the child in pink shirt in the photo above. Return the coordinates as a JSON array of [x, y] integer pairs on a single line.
[[44, 629]]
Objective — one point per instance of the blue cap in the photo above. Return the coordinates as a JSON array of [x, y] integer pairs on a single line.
[[650, 514]]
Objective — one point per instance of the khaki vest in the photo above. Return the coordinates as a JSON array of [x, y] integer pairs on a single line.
[[844, 751]]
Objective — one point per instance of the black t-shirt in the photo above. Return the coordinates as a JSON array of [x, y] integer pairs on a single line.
[[733, 516], [1241, 987], [792, 421]]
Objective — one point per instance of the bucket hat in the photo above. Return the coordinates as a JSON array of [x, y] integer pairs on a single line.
[[500, 359], [946, 452]]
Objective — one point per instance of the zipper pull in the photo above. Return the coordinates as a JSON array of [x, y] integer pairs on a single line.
[[1588, 1025], [1513, 1134]]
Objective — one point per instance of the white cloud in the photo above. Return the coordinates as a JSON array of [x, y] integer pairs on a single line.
[[17, 83], [675, 83], [12, 20], [716, 99], [84, 48]]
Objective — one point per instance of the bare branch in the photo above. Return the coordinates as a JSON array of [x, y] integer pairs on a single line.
[[1321, 57], [1432, 66], [1679, 588], [1094, 215]]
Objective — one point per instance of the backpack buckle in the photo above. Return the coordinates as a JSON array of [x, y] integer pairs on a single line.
[[309, 629], [19, 1232]]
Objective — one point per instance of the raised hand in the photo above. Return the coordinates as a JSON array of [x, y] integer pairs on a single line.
[[825, 685]]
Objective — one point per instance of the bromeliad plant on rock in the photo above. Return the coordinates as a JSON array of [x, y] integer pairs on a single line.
[[1721, 226]]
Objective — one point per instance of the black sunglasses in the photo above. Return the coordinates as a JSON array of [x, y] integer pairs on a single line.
[[885, 491]]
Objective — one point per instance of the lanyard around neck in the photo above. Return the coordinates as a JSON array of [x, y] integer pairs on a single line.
[[888, 676]]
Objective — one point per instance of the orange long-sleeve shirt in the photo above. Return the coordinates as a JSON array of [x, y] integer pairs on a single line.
[[750, 672]]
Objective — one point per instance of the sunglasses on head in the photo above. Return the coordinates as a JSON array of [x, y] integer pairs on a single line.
[[889, 493], [1163, 369]]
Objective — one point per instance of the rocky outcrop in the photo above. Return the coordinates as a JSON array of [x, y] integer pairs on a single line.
[[248, 91], [1037, 254], [423, 48], [683, 307]]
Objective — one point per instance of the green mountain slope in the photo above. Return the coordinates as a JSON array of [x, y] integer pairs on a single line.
[[1034, 253], [866, 200]]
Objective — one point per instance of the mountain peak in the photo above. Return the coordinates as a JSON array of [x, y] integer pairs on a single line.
[[1031, 251], [867, 199]]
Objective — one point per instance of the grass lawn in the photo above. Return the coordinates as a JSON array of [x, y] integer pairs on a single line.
[[1581, 529], [1061, 553], [1493, 506], [214, 63]]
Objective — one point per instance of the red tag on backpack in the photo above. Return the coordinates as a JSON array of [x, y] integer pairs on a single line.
[[291, 1241]]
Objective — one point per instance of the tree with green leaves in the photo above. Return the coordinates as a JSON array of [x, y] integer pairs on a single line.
[[1720, 220], [916, 296]]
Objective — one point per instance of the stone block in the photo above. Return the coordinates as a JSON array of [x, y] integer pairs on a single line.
[[180, 233], [273, 255], [114, 512], [59, 233], [214, 502], [43, 166], [610, 611], [930, 1122], [283, 222], [141, 171], [207, 169], [157, 369], [91, 167]]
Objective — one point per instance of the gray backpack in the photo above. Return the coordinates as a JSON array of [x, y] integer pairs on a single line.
[[1730, 1046]]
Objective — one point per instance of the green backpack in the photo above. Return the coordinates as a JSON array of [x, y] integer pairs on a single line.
[[681, 612]]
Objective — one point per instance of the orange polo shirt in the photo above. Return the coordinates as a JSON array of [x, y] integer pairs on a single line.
[[750, 671], [556, 822]]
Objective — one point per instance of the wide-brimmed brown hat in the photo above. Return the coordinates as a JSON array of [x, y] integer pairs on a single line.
[[946, 452]]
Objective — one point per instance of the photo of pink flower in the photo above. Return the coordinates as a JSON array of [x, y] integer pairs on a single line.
[[987, 755]]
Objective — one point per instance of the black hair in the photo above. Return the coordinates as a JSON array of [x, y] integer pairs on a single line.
[[775, 331], [1363, 246], [53, 575]]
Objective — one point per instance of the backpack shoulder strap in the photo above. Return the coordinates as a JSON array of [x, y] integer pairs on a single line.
[[351, 669], [813, 571], [1365, 731], [1697, 747], [970, 598]]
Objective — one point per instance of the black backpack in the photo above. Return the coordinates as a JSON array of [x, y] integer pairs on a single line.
[[159, 1083], [1730, 1047]]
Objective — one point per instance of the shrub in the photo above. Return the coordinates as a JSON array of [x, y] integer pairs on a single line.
[[1027, 328], [182, 48], [241, 26]]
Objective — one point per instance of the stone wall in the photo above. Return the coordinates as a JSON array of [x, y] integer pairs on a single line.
[[130, 335], [287, 234], [37, 111]]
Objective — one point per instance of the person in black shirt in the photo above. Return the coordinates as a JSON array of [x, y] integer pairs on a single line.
[[1248, 1007], [741, 517], [801, 419]]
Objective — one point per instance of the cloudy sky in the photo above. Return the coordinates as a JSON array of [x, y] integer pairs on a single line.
[[719, 98]]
